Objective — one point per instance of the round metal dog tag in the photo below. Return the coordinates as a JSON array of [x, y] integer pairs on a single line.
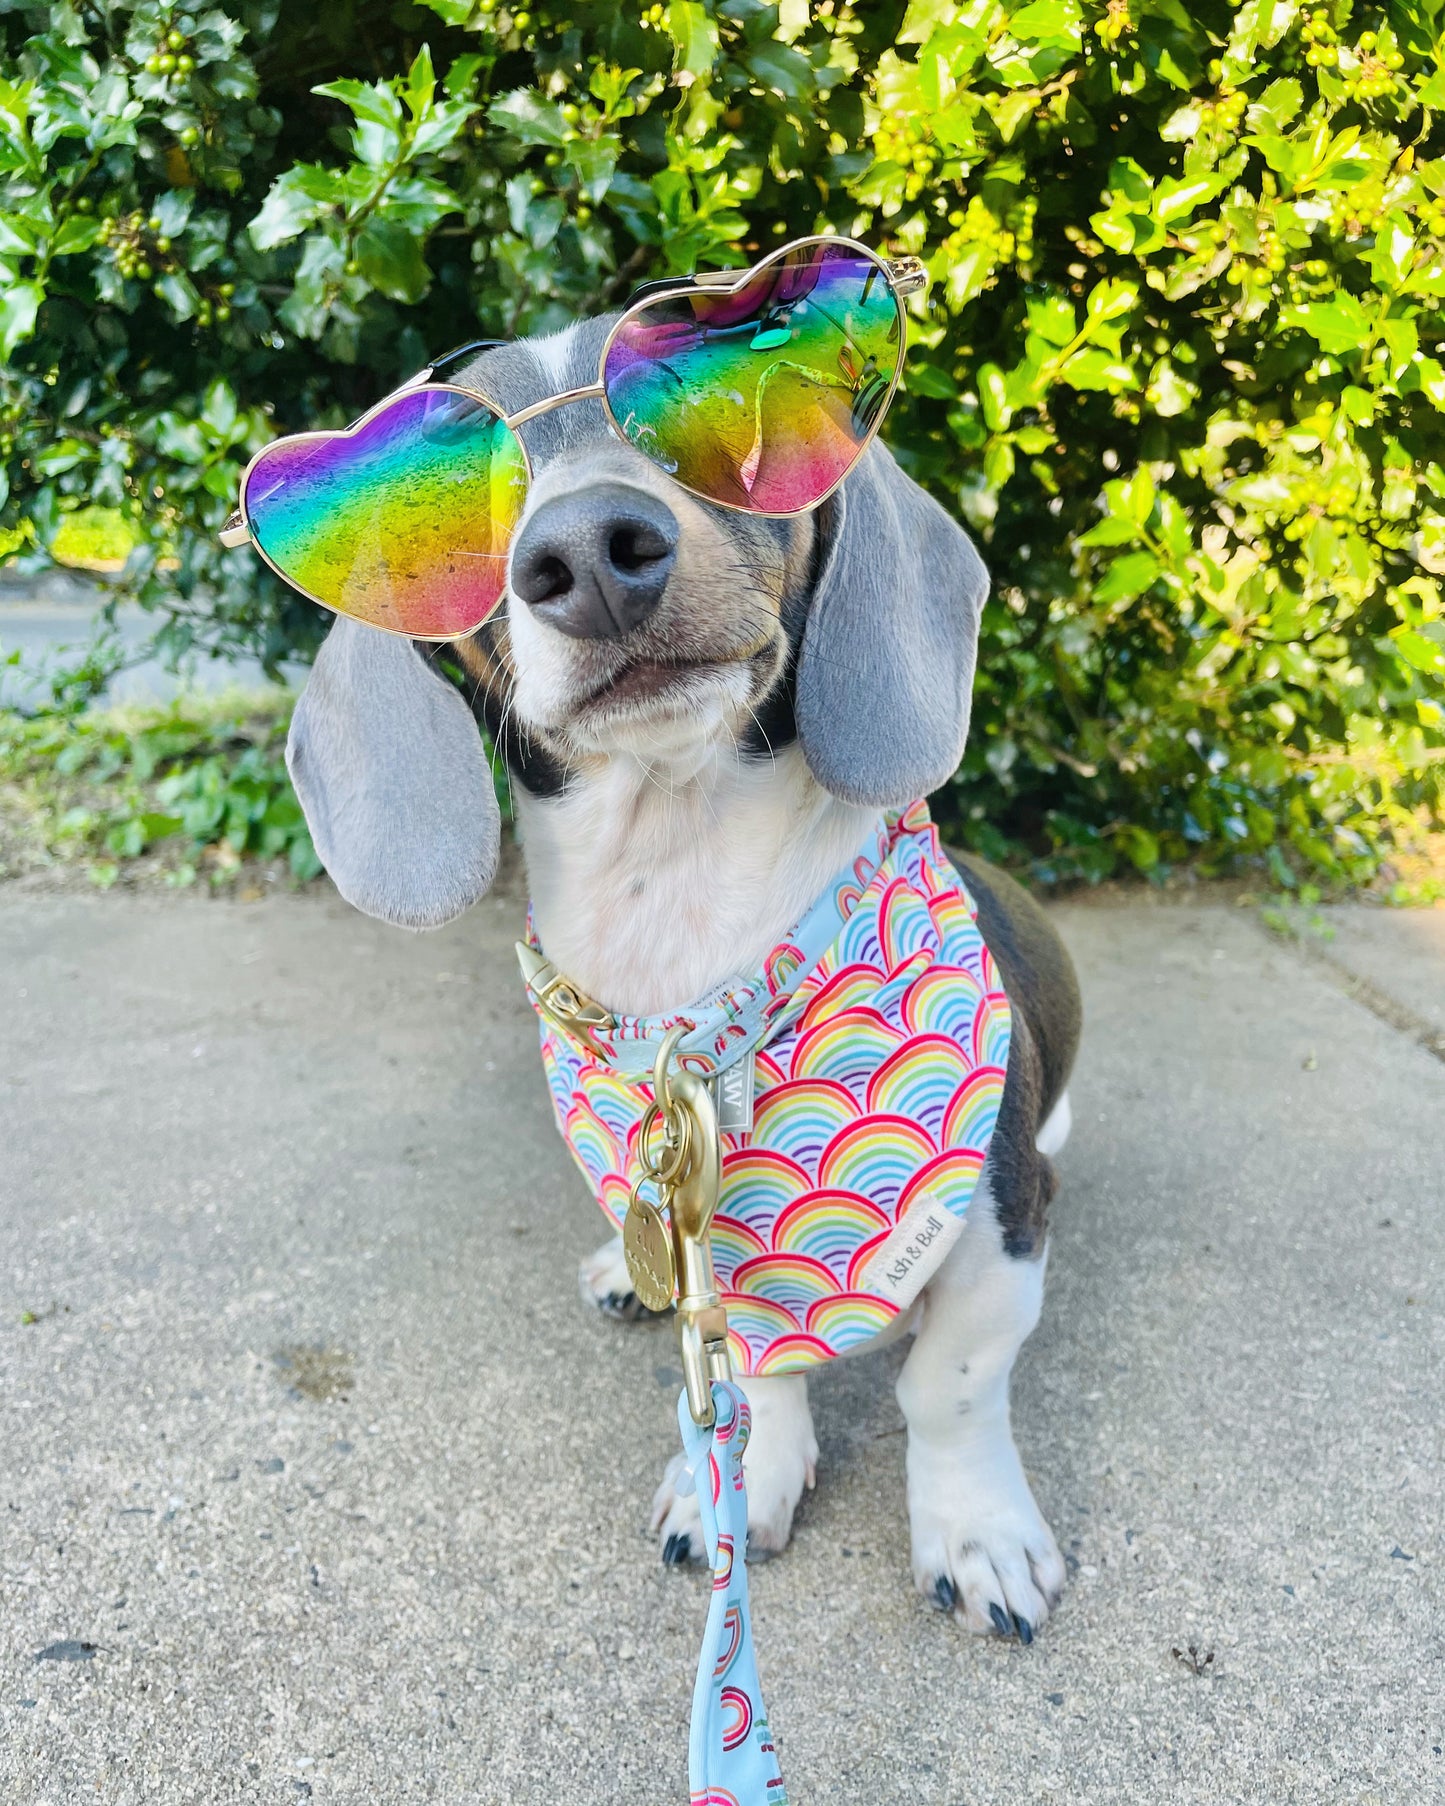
[[648, 1248]]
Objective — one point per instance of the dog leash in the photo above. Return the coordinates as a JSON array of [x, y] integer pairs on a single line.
[[731, 1759]]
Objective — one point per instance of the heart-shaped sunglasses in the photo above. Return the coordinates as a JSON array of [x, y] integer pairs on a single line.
[[759, 391]]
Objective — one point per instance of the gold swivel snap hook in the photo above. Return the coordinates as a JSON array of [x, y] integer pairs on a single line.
[[671, 1255]]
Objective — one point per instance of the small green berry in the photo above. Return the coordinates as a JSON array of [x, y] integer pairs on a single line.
[[144, 270], [352, 267], [226, 290], [521, 20], [176, 39], [163, 244], [191, 136], [223, 313], [165, 63], [185, 65]]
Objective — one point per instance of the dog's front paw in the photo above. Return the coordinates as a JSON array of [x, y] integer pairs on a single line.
[[981, 1547], [605, 1283], [780, 1463]]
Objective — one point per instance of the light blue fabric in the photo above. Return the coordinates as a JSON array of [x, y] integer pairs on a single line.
[[730, 1756]]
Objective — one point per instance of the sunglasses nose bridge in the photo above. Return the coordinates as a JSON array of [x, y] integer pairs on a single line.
[[588, 392]]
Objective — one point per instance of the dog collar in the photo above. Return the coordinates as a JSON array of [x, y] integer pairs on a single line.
[[733, 1019]]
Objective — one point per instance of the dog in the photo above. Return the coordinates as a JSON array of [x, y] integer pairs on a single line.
[[702, 714]]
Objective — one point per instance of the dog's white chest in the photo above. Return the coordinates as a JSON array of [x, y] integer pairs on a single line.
[[653, 882]]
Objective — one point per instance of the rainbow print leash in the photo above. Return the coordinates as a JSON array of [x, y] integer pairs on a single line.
[[730, 1756]]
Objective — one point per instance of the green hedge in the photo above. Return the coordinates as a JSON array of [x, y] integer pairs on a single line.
[[1181, 366]]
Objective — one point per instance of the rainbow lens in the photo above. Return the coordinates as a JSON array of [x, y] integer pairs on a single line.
[[762, 398], [403, 521]]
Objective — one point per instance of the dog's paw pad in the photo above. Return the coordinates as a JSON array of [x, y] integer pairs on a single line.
[[992, 1563], [606, 1285]]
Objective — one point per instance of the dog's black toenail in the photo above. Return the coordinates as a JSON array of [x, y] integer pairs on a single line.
[[1025, 1629], [1000, 1620], [945, 1593], [676, 1549]]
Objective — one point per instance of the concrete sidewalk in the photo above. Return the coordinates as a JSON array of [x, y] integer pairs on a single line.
[[52, 618], [319, 1482]]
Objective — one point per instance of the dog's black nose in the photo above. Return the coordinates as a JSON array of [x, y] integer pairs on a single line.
[[595, 563]]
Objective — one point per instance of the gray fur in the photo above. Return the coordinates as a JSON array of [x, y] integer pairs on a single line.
[[394, 780], [886, 668]]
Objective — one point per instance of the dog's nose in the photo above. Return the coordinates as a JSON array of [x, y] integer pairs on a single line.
[[594, 563]]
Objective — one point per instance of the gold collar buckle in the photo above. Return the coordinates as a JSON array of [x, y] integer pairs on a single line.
[[560, 1001]]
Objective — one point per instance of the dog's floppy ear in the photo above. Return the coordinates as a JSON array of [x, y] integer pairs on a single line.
[[886, 666], [394, 780]]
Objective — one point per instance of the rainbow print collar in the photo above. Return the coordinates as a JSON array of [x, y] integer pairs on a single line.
[[880, 1064]]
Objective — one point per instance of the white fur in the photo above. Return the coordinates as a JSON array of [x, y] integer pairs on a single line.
[[654, 878], [976, 1528], [603, 1280], [554, 354], [1055, 1131]]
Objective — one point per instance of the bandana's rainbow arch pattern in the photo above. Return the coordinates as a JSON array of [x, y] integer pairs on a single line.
[[874, 1111]]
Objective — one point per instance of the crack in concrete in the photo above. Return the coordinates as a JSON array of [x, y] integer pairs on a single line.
[[1378, 1001]]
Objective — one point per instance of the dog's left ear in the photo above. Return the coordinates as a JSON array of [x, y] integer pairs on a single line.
[[394, 781], [886, 667]]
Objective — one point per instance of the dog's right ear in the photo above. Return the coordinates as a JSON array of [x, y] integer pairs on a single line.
[[394, 781]]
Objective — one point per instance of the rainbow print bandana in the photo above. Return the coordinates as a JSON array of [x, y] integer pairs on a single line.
[[880, 1035]]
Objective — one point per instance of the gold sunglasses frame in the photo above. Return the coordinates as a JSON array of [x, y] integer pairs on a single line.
[[904, 275]]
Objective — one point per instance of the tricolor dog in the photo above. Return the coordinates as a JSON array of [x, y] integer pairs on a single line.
[[717, 727]]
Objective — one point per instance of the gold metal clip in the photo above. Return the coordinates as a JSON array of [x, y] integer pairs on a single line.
[[560, 1001], [702, 1324]]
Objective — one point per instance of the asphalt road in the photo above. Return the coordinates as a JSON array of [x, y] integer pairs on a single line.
[[318, 1481]]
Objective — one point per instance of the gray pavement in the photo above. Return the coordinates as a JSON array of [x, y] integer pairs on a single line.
[[1397, 957], [52, 618], [318, 1481]]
